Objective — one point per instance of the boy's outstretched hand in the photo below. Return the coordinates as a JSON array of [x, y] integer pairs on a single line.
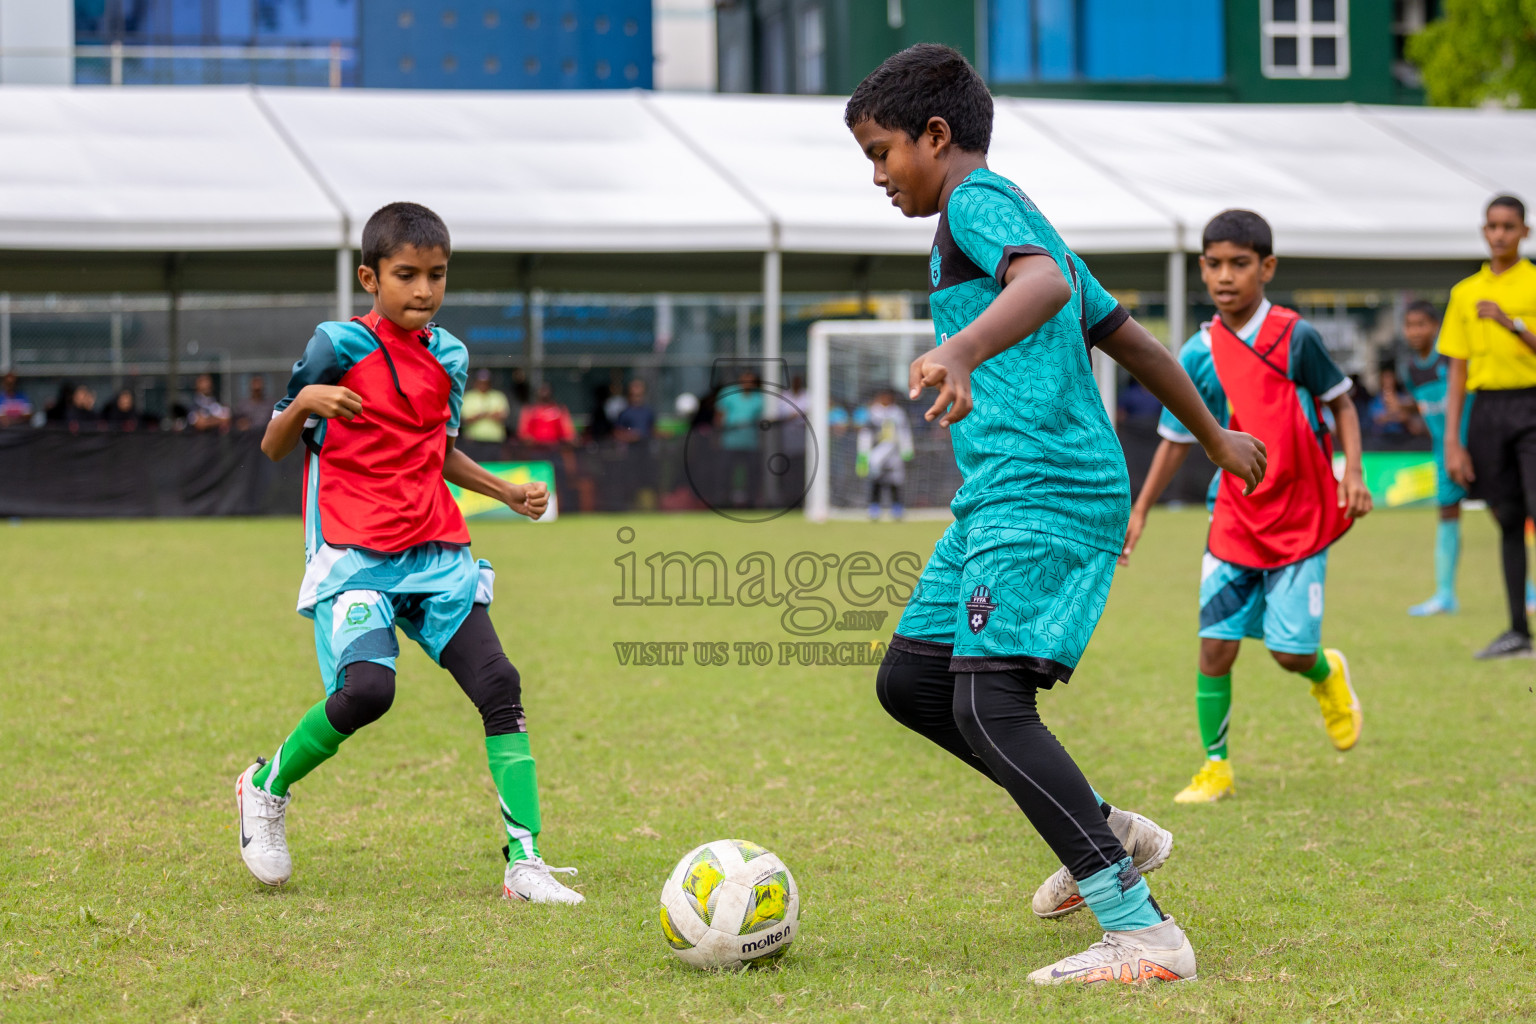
[[948, 369], [528, 499], [1242, 455]]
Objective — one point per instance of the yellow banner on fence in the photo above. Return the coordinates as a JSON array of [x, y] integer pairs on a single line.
[[478, 506]]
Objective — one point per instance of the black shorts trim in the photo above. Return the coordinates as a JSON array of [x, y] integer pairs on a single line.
[[1053, 672], [925, 648]]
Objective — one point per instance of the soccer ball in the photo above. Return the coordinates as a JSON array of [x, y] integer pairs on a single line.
[[728, 904]]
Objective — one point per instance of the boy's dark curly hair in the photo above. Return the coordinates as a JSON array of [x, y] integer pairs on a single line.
[[1242, 228], [924, 81], [393, 227]]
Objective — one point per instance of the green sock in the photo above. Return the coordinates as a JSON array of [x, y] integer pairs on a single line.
[[311, 743], [1213, 703], [517, 784], [1321, 670]]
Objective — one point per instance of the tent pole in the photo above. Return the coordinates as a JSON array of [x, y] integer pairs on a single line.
[[773, 297], [172, 336], [1178, 301], [344, 275]]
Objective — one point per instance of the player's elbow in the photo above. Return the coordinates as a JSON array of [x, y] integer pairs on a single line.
[[1054, 291]]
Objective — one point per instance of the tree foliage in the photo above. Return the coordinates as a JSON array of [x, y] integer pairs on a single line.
[[1479, 52]]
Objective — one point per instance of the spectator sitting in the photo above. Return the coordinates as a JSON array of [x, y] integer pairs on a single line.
[[254, 410], [15, 409], [545, 421], [81, 412], [615, 400], [485, 411], [599, 422], [637, 420], [57, 408], [207, 413], [122, 412]]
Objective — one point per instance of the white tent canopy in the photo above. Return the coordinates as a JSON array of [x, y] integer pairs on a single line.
[[152, 169], [238, 169]]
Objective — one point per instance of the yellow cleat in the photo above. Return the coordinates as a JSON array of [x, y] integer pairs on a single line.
[[1211, 783], [1342, 718]]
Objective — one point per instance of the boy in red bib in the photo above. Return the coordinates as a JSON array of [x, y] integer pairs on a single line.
[[1262, 369], [376, 402]]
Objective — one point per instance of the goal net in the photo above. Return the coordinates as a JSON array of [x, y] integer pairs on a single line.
[[847, 363]]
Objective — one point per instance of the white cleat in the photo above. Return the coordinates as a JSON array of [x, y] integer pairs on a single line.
[[1159, 953], [263, 841], [1148, 844], [533, 881]]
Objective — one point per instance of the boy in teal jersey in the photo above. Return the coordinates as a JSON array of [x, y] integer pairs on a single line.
[[1423, 374], [1267, 579], [1016, 585]]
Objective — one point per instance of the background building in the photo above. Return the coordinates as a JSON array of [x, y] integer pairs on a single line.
[[1266, 51], [406, 44]]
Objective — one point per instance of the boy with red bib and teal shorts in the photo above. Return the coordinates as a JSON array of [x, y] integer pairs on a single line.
[[376, 402], [1261, 368]]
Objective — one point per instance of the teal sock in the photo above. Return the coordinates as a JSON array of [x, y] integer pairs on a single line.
[[1320, 670], [1118, 908], [517, 786], [1447, 554], [311, 743], [1103, 804]]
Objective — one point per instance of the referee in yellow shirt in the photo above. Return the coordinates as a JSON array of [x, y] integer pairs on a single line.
[[1489, 334]]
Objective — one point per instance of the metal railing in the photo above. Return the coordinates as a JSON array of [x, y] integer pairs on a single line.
[[335, 55]]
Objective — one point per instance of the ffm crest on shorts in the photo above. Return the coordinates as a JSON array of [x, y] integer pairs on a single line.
[[979, 609]]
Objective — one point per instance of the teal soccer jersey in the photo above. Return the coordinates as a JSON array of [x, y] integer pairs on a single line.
[[1425, 380], [1020, 579], [1039, 441]]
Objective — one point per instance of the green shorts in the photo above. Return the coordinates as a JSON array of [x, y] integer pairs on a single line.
[[996, 598]]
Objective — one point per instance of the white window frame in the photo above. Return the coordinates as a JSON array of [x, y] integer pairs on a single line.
[[810, 53], [1304, 30]]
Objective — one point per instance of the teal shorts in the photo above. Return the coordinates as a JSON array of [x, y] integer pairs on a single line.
[[1447, 491], [1283, 606], [996, 598], [359, 625]]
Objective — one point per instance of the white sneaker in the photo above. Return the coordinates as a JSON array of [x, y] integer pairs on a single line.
[[1159, 953], [263, 842], [533, 881], [1148, 844]]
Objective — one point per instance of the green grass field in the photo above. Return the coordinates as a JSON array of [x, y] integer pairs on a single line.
[[146, 663]]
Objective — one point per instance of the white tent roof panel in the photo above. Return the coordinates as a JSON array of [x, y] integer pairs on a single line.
[[205, 169], [152, 168], [521, 172], [1330, 182], [1495, 148], [797, 157]]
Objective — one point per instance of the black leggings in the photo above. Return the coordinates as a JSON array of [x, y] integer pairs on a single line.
[[878, 486], [989, 721], [1501, 437], [475, 659]]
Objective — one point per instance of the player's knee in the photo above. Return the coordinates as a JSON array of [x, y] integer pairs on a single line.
[[905, 678], [501, 706], [1295, 662], [367, 692]]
